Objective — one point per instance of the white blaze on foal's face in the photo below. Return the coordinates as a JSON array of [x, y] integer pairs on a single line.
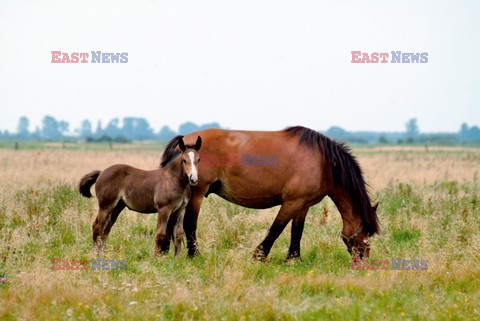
[[191, 168]]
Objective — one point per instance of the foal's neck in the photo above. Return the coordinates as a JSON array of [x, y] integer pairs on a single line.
[[176, 169]]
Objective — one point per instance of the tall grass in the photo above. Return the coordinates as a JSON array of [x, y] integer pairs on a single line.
[[437, 221]]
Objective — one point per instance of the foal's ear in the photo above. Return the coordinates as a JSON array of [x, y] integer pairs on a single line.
[[198, 143], [375, 206], [181, 144]]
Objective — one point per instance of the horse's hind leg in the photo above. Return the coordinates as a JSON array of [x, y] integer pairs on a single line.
[[103, 224], [285, 215], [298, 223]]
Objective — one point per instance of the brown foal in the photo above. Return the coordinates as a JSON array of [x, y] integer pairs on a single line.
[[165, 191]]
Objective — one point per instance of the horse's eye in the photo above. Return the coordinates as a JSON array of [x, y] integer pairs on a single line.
[[184, 160], [199, 160]]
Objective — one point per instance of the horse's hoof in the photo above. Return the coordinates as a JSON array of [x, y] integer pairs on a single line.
[[192, 254], [259, 255], [290, 259]]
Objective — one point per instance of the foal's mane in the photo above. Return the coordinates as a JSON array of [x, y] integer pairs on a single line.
[[171, 152], [346, 172]]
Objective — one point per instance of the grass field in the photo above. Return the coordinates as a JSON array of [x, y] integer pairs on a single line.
[[429, 210]]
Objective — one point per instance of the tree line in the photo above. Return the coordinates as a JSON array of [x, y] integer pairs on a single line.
[[411, 135], [118, 130], [138, 128]]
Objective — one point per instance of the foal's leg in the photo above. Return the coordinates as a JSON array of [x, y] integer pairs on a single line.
[[161, 233], [98, 227], [286, 213], [298, 223], [178, 231], [103, 224], [165, 246]]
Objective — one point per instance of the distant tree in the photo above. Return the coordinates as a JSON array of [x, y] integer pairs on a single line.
[[210, 125], [464, 129], [136, 128], [337, 132], [166, 133], [63, 127], [86, 128], [411, 129], [142, 128], [50, 128], [187, 127], [22, 127], [382, 139], [128, 128], [112, 128], [99, 130], [469, 135]]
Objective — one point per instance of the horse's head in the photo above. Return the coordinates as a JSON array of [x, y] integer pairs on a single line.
[[358, 243], [190, 159]]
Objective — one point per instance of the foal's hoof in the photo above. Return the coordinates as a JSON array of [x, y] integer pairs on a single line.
[[259, 255], [157, 253]]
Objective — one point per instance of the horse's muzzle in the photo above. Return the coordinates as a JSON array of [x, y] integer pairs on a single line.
[[192, 181]]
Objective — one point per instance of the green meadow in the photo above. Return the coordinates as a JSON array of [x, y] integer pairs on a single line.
[[425, 215]]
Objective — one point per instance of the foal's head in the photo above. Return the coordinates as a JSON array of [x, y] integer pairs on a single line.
[[190, 159]]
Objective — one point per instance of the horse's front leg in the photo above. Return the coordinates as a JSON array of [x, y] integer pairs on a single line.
[[190, 220], [161, 233], [178, 231]]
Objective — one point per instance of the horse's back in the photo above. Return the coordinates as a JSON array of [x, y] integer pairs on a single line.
[[256, 168]]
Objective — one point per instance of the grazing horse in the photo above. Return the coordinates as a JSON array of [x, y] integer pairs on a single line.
[[303, 167], [165, 191]]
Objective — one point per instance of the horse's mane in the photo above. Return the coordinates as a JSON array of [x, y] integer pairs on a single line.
[[171, 152], [346, 172]]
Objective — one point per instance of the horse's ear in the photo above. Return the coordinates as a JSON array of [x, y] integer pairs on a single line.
[[198, 143], [181, 144], [375, 206]]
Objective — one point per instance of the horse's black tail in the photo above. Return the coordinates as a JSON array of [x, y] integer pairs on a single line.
[[86, 182]]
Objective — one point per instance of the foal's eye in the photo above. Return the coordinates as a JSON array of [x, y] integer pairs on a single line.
[[184, 160], [199, 160]]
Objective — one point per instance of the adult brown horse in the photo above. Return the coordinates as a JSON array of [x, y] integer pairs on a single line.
[[307, 167]]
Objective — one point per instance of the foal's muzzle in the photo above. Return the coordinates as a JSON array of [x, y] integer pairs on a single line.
[[193, 181]]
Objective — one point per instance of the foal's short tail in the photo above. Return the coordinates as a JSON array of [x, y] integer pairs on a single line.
[[86, 182]]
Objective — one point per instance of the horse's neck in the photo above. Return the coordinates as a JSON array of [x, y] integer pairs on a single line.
[[345, 206], [176, 169]]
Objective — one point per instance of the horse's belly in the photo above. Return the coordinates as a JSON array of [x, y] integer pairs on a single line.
[[250, 197], [139, 203], [258, 203], [140, 208]]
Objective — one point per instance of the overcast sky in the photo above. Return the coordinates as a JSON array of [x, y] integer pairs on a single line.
[[245, 64]]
